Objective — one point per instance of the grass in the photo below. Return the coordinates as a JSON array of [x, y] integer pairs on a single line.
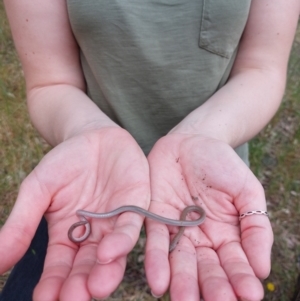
[[275, 160], [21, 148]]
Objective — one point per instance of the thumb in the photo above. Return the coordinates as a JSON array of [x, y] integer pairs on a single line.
[[20, 227]]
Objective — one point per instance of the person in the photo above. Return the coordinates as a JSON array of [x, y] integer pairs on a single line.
[[144, 103]]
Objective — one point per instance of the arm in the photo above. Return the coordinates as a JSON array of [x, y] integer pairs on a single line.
[[49, 55], [195, 164], [85, 169], [240, 109]]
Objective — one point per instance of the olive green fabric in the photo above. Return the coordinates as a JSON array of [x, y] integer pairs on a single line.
[[149, 63]]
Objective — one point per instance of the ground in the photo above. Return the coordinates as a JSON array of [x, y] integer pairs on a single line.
[[275, 159]]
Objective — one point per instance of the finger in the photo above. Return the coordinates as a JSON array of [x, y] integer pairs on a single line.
[[20, 227], [184, 279], [105, 278], [58, 264], [122, 239], [75, 286], [256, 230], [257, 238], [241, 276], [157, 266], [211, 276]]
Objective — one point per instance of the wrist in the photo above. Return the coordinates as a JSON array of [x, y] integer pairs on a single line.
[[92, 126], [61, 111], [207, 130]]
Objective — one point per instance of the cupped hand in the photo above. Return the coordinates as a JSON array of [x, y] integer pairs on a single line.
[[224, 258], [97, 170]]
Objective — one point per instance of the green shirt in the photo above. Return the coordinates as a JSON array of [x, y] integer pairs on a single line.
[[149, 63]]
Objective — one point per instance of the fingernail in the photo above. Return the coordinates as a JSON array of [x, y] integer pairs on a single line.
[[104, 262], [155, 296]]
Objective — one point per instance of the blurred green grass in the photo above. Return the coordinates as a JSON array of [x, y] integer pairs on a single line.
[[275, 159], [21, 148]]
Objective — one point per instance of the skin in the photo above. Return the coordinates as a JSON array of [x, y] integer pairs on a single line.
[[74, 271], [222, 252], [192, 165]]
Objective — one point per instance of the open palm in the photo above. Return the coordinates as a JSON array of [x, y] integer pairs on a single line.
[[223, 258], [97, 171]]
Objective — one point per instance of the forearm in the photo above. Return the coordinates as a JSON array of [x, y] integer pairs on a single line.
[[60, 111], [240, 109], [57, 103]]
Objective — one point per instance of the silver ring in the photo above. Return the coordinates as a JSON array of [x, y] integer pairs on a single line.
[[261, 212]]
